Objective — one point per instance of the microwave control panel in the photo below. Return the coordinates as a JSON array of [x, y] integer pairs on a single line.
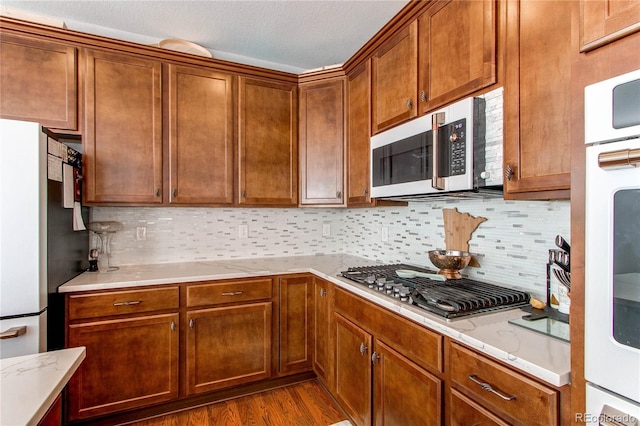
[[457, 147]]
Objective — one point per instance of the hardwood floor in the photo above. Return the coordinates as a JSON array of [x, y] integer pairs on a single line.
[[303, 404]]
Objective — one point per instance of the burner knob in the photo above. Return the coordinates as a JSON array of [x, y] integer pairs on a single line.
[[381, 280], [389, 289], [370, 279]]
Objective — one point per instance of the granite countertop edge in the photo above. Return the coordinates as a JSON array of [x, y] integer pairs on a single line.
[[541, 356]]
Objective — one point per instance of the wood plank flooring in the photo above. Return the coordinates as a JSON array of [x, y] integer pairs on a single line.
[[303, 404]]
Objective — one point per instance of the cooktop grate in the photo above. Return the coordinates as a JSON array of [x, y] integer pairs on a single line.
[[449, 299]]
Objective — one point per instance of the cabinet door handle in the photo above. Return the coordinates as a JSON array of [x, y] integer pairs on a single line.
[[374, 357], [509, 172], [323, 292], [174, 193], [232, 293], [129, 303], [13, 332], [157, 192], [423, 96], [363, 349], [437, 120], [173, 326], [364, 191], [192, 323], [409, 103], [486, 386], [338, 194], [244, 194]]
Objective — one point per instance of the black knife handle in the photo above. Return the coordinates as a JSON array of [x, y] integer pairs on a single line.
[[562, 243]]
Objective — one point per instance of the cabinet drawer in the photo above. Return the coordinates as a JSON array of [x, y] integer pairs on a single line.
[[422, 346], [122, 302], [518, 396], [464, 411], [228, 292]]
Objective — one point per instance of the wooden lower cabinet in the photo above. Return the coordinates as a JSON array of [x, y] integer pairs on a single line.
[[130, 363], [377, 385], [294, 331], [228, 346], [499, 390], [463, 411], [323, 360], [353, 370], [403, 393]]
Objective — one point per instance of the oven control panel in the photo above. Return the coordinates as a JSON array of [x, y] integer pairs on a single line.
[[457, 147]]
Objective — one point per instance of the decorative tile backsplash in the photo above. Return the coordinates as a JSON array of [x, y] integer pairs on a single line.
[[511, 246]]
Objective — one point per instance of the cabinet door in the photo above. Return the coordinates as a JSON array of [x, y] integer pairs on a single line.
[[603, 21], [129, 363], [537, 99], [228, 346], [200, 136], [268, 144], [295, 312], [395, 79], [321, 130], [123, 129], [322, 349], [457, 51], [353, 370], [38, 81], [359, 132], [404, 393]]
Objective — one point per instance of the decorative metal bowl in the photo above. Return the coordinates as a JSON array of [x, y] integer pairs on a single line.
[[449, 262]]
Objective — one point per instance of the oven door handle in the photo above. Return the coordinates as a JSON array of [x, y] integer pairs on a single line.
[[619, 159], [437, 120]]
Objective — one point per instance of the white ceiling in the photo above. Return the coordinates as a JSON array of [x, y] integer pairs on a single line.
[[286, 35]]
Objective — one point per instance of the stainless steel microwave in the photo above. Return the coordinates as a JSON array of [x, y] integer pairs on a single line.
[[442, 153]]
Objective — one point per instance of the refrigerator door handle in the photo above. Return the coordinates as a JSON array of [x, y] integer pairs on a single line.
[[13, 332]]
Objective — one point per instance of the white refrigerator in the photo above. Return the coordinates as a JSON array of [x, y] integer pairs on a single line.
[[39, 250]]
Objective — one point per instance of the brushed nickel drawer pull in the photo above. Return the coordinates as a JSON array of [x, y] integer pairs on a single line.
[[323, 292], [13, 332], [132, 302], [173, 326], [486, 386], [232, 293], [192, 323]]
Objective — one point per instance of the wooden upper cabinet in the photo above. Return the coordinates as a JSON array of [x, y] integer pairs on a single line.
[[537, 100], [457, 51], [267, 143], [358, 135], [201, 138], [322, 140], [604, 21], [38, 81], [123, 128], [394, 73]]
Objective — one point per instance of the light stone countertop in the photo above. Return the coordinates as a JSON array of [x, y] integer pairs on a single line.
[[30, 384], [544, 357]]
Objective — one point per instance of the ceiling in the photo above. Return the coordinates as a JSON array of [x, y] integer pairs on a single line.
[[286, 35]]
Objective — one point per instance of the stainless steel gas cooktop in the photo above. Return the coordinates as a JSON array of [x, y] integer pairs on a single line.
[[449, 299]]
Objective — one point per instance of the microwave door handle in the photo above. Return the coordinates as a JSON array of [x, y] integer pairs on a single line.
[[437, 120]]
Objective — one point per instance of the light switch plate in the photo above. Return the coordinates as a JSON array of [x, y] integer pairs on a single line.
[[384, 234], [141, 233], [326, 229], [243, 231]]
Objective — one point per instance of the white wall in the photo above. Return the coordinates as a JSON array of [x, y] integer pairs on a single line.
[[511, 245]]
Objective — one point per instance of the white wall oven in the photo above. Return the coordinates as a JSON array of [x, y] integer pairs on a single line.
[[612, 241]]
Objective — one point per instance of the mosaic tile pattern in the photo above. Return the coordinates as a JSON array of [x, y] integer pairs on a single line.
[[511, 245]]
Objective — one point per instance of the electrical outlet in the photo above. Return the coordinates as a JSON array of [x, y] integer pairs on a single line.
[[243, 231], [384, 234], [141, 233], [326, 229]]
